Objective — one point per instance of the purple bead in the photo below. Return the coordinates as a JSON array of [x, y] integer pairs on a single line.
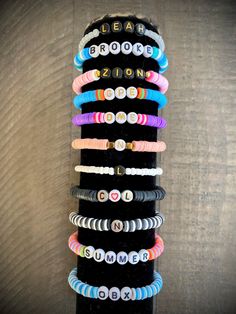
[[157, 122]]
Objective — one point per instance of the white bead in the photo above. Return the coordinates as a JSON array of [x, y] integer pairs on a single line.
[[121, 117], [110, 257], [127, 196], [143, 255], [133, 257], [138, 49], [117, 225], [114, 47], [99, 255], [120, 145], [89, 251], [93, 51], [102, 196], [126, 293], [132, 117], [114, 195], [120, 92], [114, 294], [104, 49], [132, 92], [109, 93], [122, 258], [103, 293], [148, 51], [109, 117], [126, 47]]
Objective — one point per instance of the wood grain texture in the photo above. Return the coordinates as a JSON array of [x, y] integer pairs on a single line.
[[38, 41]]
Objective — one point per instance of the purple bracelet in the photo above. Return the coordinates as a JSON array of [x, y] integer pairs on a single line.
[[120, 117]]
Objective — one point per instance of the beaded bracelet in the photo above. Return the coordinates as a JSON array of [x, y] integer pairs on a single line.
[[105, 73], [120, 93], [115, 195], [119, 145], [126, 48], [129, 27], [115, 293], [119, 170], [116, 225], [111, 257], [120, 117]]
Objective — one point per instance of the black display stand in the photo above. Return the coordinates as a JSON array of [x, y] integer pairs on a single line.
[[90, 271]]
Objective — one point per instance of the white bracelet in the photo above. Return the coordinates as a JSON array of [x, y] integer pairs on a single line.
[[119, 170], [128, 26]]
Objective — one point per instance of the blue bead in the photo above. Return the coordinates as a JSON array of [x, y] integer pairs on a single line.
[[144, 293], [138, 294], [155, 52], [149, 291]]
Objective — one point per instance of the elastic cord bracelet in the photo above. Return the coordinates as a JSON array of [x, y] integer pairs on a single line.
[[111, 257], [105, 73], [129, 27], [120, 93], [115, 195], [116, 225], [119, 145], [126, 48], [120, 117], [115, 293], [119, 170]]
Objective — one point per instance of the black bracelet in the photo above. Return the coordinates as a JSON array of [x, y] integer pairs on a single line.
[[115, 195]]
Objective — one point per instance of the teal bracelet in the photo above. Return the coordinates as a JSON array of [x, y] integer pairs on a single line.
[[115, 293]]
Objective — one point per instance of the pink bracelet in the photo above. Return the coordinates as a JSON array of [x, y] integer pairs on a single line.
[[111, 257], [119, 145], [94, 75]]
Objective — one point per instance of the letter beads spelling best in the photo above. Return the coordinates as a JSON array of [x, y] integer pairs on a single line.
[[119, 92]]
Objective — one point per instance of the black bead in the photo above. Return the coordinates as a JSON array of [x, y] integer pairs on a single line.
[[119, 170], [105, 28], [129, 27], [117, 73], [140, 74], [140, 29], [116, 27], [128, 73], [105, 73]]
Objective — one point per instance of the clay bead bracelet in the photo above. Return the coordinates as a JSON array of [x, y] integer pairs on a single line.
[[115, 293], [119, 145], [115, 195], [106, 73], [120, 93], [126, 48], [119, 170], [111, 257], [116, 225], [120, 117], [128, 26]]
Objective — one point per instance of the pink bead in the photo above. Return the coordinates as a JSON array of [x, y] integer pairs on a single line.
[[83, 79], [158, 80], [90, 143], [144, 146]]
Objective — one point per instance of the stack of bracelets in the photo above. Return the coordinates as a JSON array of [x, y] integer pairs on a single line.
[[116, 51]]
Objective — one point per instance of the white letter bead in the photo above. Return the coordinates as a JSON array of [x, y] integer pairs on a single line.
[[132, 92], [127, 196], [104, 49], [117, 225], [109, 117], [148, 51], [114, 195], [122, 258], [120, 92], [109, 93], [89, 251], [133, 257], [132, 117], [138, 49], [126, 47], [121, 117], [125, 293], [93, 51], [110, 257], [120, 145], [103, 293], [114, 294], [102, 196], [99, 255], [144, 255], [114, 47]]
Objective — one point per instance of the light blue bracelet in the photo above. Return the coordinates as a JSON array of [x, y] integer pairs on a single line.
[[137, 49], [120, 93], [115, 293]]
